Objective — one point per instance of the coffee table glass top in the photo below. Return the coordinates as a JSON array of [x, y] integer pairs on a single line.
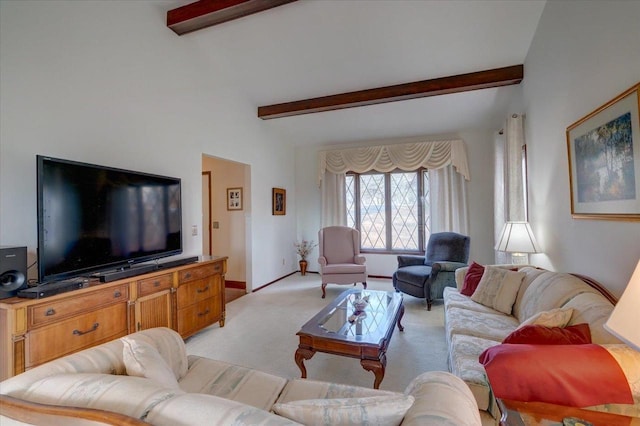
[[360, 314]]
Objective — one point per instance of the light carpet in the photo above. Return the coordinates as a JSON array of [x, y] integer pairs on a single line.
[[260, 332]]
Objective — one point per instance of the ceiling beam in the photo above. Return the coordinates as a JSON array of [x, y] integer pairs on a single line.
[[438, 86], [206, 13]]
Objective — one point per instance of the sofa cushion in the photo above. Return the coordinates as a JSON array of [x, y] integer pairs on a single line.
[[414, 274], [245, 385], [463, 362], [200, 409], [494, 326], [132, 396], [343, 268], [297, 389], [368, 410], [541, 335], [453, 298], [498, 288], [143, 360], [558, 317]]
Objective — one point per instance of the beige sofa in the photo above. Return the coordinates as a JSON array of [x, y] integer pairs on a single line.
[[473, 327], [148, 376]]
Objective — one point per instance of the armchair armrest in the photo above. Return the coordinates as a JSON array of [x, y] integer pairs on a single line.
[[359, 259], [322, 261], [447, 266], [408, 260]]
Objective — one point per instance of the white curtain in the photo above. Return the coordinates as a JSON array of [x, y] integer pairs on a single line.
[[448, 155], [449, 209], [407, 156], [334, 211], [509, 195]]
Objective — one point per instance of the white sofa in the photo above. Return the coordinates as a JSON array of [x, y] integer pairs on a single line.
[[191, 390], [473, 327]]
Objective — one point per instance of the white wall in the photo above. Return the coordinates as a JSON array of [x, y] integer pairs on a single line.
[[583, 55], [480, 198], [109, 83]]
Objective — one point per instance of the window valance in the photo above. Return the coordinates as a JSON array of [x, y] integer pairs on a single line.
[[407, 156]]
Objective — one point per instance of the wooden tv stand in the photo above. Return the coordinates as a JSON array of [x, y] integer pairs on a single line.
[[185, 298]]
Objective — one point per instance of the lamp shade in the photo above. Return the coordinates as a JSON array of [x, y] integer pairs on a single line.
[[517, 237], [624, 322]]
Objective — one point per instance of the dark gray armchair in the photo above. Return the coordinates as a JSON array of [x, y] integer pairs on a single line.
[[427, 276]]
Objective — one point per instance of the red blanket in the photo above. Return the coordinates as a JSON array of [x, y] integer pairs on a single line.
[[573, 375]]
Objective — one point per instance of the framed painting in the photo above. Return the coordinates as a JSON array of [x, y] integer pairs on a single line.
[[234, 198], [604, 161], [279, 207]]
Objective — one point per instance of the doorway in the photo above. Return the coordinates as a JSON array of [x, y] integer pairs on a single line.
[[224, 230]]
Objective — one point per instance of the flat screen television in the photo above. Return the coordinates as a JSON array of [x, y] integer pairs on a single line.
[[94, 218]]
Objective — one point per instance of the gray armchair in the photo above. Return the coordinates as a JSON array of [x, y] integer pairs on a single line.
[[427, 276], [340, 259]]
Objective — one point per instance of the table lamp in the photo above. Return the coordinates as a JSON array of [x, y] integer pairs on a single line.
[[518, 239], [625, 319]]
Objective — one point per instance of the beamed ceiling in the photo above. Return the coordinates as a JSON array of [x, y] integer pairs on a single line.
[[327, 72]]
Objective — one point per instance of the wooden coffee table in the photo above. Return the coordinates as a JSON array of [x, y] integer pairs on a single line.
[[340, 329]]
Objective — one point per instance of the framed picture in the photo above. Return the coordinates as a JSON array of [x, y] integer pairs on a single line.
[[279, 196], [234, 198], [604, 161]]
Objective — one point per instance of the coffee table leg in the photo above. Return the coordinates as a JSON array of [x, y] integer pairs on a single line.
[[400, 326], [301, 355], [377, 367]]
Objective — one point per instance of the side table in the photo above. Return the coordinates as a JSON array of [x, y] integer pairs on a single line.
[[517, 413]]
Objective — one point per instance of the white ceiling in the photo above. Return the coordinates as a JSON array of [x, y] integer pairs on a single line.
[[314, 48]]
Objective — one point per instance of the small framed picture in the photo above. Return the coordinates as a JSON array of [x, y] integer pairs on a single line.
[[234, 198], [279, 201]]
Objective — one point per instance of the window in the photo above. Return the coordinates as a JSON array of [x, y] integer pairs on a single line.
[[391, 210]]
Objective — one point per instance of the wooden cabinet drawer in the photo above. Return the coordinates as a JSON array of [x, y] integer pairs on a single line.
[[155, 284], [48, 312], [79, 332], [198, 316], [200, 272], [196, 291]]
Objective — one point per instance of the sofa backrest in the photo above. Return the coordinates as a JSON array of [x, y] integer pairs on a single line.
[[543, 290], [105, 359]]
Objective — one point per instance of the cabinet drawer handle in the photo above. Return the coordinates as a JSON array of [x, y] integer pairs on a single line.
[[117, 294], [187, 275], [80, 333], [201, 314], [156, 283], [50, 312], [202, 290]]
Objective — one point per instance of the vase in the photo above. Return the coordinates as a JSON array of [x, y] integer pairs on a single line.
[[303, 267]]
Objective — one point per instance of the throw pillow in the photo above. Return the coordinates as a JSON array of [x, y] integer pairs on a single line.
[[143, 360], [579, 334], [372, 410], [472, 279], [573, 375], [558, 317], [498, 288]]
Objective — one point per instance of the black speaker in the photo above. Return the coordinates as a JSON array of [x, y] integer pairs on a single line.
[[13, 270]]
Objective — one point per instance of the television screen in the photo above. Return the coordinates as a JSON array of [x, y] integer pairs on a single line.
[[93, 218]]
